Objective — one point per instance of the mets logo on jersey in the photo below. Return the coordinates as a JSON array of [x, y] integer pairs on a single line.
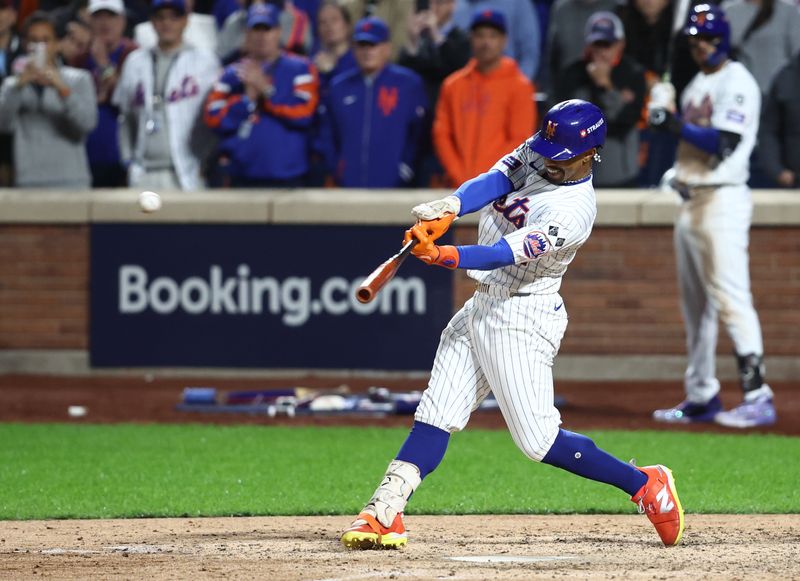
[[535, 244], [550, 130], [387, 100]]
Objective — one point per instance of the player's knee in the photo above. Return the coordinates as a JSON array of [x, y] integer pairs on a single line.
[[536, 448], [430, 413]]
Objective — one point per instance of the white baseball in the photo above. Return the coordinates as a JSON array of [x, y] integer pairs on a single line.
[[149, 202]]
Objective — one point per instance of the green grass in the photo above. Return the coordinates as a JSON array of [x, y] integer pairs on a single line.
[[94, 471]]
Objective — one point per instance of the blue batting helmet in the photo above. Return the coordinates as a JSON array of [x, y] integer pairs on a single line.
[[570, 129], [709, 21]]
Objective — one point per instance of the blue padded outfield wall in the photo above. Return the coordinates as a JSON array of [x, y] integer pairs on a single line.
[[259, 296]]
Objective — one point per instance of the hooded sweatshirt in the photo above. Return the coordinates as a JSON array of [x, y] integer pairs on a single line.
[[481, 117]]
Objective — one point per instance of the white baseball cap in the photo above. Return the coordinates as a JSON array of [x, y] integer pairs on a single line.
[[115, 6]]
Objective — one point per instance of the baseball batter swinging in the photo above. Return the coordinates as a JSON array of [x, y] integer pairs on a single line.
[[537, 207], [717, 129]]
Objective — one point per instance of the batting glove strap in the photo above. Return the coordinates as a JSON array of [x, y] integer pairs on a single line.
[[446, 256]]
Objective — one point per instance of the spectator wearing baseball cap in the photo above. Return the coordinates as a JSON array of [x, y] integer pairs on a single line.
[[295, 24], [262, 108], [522, 28], [371, 30], [160, 96], [565, 29], [103, 60], [615, 83], [200, 30], [373, 116], [486, 108], [395, 13]]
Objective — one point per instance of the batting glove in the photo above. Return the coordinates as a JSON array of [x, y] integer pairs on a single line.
[[662, 96], [428, 252], [664, 120], [435, 229], [437, 208]]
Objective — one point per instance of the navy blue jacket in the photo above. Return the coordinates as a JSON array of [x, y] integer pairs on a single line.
[[269, 139], [370, 131]]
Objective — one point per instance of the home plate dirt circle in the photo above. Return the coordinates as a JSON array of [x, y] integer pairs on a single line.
[[510, 559], [492, 547]]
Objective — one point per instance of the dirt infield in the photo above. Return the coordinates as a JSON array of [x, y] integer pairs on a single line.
[[441, 547], [284, 548]]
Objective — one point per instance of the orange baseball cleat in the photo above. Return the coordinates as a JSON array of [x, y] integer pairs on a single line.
[[367, 533], [658, 499]]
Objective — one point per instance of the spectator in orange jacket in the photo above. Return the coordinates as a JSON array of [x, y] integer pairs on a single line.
[[486, 108]]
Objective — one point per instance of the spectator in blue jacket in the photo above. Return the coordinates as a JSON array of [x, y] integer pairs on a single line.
[[524, 33], [262, 108], [373, 116]]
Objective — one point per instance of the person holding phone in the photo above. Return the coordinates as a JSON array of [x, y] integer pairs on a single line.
[[50, 109], [435, 49]]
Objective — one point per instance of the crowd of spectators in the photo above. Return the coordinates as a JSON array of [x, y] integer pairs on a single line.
[[187, 94]]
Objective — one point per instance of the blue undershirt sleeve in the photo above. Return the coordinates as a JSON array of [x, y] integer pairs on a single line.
[[706, 138], [479, 191], [480, 257]]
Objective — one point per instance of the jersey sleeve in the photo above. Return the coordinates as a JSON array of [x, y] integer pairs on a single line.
[[547, 235], [521, 166], [737, 105]]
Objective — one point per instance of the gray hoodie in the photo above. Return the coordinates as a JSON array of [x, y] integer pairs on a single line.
[[50, 132]]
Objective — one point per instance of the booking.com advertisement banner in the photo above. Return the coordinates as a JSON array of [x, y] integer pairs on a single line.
[[260, 296]]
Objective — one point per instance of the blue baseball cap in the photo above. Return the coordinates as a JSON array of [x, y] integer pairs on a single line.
[[263, 15], [489, 17], [569, 129], [372, 30], [178, 6], [604, 27]]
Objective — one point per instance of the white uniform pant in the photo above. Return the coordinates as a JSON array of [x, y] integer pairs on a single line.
[[711, 248], [503, 345]]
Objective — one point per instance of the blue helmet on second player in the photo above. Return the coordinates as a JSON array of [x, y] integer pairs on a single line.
[[569, 129], [709, 21]]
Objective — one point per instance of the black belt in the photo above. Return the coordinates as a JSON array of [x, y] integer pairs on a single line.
[[486, 288]]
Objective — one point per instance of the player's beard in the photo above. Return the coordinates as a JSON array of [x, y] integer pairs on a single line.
[[555, 176]]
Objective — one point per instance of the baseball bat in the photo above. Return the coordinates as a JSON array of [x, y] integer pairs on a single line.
[[383, 274]]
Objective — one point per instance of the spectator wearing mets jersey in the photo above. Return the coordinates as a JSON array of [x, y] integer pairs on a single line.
[[373, 117], [160, 96], [262, 108], [484, 109]]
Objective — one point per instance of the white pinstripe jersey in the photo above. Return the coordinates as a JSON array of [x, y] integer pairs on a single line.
[[730, 100], [543, 223]]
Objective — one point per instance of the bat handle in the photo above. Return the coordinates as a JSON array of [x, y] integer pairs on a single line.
[[407, 248]]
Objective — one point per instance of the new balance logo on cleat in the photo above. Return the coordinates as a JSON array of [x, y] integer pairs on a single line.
[[663, 498], [658, 499]]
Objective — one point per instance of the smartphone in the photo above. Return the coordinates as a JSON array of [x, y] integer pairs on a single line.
[[40, 54]]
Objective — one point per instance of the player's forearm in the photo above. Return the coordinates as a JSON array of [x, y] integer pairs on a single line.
[[479, 191], [705, 138], [478, 257]]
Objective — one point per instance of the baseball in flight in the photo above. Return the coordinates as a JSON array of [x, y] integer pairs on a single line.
[[149, 202]]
